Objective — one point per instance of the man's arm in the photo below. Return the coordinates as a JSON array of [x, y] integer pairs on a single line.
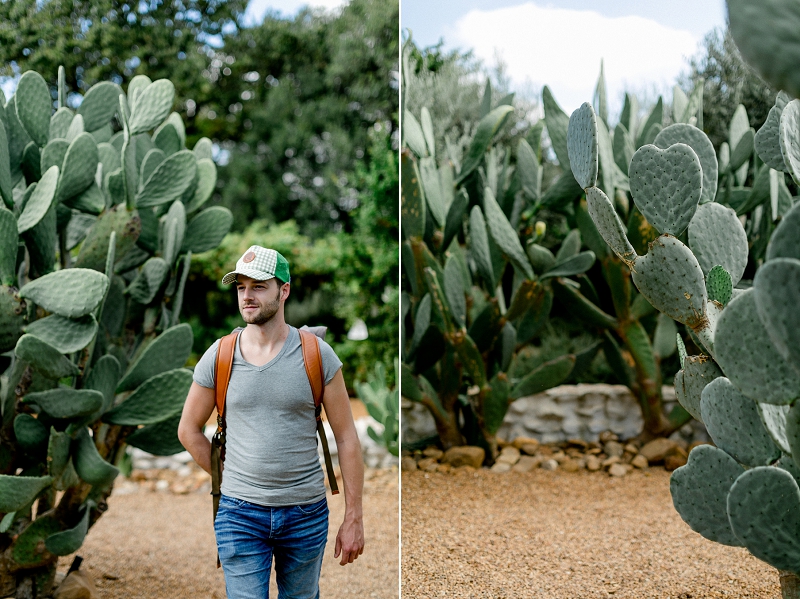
[[196, 412], [350, 540]]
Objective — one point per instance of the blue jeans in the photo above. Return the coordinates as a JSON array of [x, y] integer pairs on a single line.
[[249, 535]]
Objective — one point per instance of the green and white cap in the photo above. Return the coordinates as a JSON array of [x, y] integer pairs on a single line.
[[260, 264]]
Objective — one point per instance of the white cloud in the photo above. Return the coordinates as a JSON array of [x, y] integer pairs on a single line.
[[562, 49], [256, 9]]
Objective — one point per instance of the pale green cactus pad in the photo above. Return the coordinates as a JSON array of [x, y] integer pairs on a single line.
[[734, 423], [768, 140], [79, 167], [67, 403], [719, 286], [697, 140], [99, 105], [504, 234], [764, 512], [766, 34], [18, 491], [777, 287], [700, 492], [716, 236], [747, 355], [789, 139], [557, 123], [783, 243], [670, 277], [609, 224], [67, 335], [697, 372], [40, 200], [169, 180], [207, 229], [774, 419], [582, 145], [33, 106], [151, 106], [73, 292], [666, 186]]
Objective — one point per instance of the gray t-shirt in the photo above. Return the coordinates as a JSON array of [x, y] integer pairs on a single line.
[[271, 437]]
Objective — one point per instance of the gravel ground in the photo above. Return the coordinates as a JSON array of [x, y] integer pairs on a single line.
[[155, 544], [470, 534]]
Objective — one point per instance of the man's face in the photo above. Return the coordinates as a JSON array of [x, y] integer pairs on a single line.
[[259, 301]]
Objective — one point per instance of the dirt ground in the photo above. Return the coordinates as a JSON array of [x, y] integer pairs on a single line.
[[157, 544], [541, 534]]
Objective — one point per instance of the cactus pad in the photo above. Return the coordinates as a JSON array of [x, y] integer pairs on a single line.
[[44, 358], [103, 377], [777, 287], [67, 403], [203, 149], [544, 377], [718, 286], [88, 463], [169, 180], [783, 243], [151, 106], [160, 438], [72, 292], [206, 182], [697, 140], [34, 105], [30, 433], [774, 419], [666, 186], [716, 236], [764, 512], [67, 335], [127, 227], [18, 491], [734, 423], [479, 245], [700, 490], [207, 230], [39, 202], [79, 167], [768, 140], [792, 429], [748, 356], [609, 224], [790, 140], [504, 234], [156, 399], [149, 280], [582, 145], [168, 351], [69, 541], [698, 371], [671, 279]]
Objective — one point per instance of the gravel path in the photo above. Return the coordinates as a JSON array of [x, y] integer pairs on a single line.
[[470, 534], [155, 544]]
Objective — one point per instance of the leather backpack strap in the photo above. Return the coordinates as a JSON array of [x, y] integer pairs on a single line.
[[316, 377]]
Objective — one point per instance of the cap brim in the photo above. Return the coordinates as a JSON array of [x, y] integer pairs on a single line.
[[258, 275]]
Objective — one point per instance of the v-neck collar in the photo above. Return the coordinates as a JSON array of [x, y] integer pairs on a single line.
[[289, 339]]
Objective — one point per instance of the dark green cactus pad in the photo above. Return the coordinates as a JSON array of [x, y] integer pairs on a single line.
[[151, 160], [67, 403], [790, 140], [697, 140], [53, 154], [439, 302], [534, 318], [30, 433], [504, 234], [792, 430], [541, 258], [774, 419], [783, 243], [70, 540], [486, 326], [127, 227], [28, 549], [58, 449], [33, 106], [777, 285], [786, 463], [30, 162], [571, 266], [523, 299], [544, 377], [623, 148], [766, 35], [67, 335], [88, 463], [160, 438], [670, 277], [746, 353], [529, 170], [5, 171], [169, 180], [666, 186], [207, 230], [700, 493], [158, 398], [149, 280], [103, 377], [422, 320], [41, 242], [455, 217], [698, 371], [151, 106], [168, 351], [454, 291], [79, 167], [99, 105], [495, 402], [18, 491], [557, 123], [470, 358], [582, 145], [12, 317], [488, 127], [40, 201], [72, 292], [206, 183], [719, 286], [18, 138], [764, 512], [570, 247], [412, 207], [768, 140], [609, 224], [716, 236], [743, 150], [581, 307], [479, 245], [44, 357], [91, 200], [734, 423], [9, 240]]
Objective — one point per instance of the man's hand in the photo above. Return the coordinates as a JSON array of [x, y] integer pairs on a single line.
[[349, 541]]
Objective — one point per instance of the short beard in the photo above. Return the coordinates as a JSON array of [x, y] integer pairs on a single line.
[[265, 314]]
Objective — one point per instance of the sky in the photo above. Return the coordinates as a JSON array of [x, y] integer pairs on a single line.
[[644, 44], [256, 9]]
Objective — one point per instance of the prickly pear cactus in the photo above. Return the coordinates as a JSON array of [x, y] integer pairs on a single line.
[[102, 209], [746, 383]]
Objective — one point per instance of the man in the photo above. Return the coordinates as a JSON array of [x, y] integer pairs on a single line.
[[273, 491]]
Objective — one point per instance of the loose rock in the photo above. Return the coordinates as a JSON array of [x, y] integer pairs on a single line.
[[570, 465], [550, 464], [593, 463], [526, 463], [408, 463], [427, 464], [607, 436], [433, 452], [77, 585], [521, 442], [656, 450], [465, 455], [501, 467], [509, 455], [613, 448], [608, 462], [640, 461], [617, 470]]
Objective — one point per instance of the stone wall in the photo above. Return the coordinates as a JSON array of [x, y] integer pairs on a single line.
[[561, 413]]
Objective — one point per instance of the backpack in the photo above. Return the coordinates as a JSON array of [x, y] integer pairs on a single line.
[[222, 376]]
